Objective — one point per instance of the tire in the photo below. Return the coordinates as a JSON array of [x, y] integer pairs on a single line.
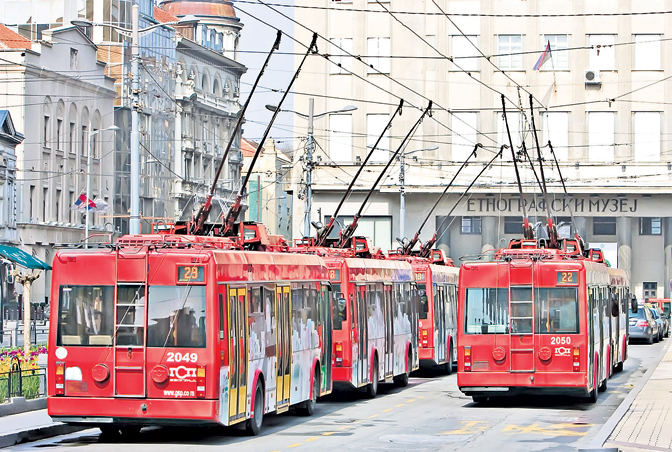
[[650, 340], [402, 380], [593, 395], [656, 339], [130, 431], [619, 367], [308, 407], [253, 426], [109, 430], [372, 388], [603, 386], [479, 399], [449, 364]]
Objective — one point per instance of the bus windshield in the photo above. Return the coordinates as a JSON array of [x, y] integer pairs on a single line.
[[176, 316], [557, 310], [487, 311], [666, 308], [86, 315]]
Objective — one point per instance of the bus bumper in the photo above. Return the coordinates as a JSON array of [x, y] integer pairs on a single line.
[[503, 384], [101, 411]]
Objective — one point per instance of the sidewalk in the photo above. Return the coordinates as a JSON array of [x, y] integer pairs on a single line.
[[647, 424], [31, 426]]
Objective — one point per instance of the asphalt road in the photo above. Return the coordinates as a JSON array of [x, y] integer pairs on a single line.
[[430, 414]]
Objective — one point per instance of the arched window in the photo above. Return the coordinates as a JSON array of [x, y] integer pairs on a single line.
[[72, 129], [84, 136], [95, 145], [46, 123], [205, 85], [60, 125], [216, 90]]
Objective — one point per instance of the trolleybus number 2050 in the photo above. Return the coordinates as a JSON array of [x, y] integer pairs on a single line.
[[561, 340]]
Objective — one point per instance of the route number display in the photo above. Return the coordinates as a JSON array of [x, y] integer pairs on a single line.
[[567, 278], [190, 273]]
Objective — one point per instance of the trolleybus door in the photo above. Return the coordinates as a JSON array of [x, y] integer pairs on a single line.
[[129, 341], [439, 323], [362, 336], [283, 346], [237, 353], [389, 331]]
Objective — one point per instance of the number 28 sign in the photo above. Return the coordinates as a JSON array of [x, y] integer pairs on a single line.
[[190, 274]]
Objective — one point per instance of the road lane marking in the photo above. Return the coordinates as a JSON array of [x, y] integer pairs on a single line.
[[400, 405], [468, 428], [295, 445], [410, 401], [372, 416], [310, 440], [551, 430], [328, 433], [388, 410], [343, 428]]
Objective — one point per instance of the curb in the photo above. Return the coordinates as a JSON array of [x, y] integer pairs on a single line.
[[38, 433], [607, 429]]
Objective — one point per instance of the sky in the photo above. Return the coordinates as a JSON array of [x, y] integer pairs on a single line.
[[255, 42]]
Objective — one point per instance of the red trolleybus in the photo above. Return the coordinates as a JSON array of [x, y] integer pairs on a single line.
[[533, 321], [436, 280], [177, 329], [375, 317], [620, 291]]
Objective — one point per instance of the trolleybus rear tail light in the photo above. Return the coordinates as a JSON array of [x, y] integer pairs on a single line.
[[339, 353], [425, 333], [576, 359], [467, 358], [200, 382], [60, 378]]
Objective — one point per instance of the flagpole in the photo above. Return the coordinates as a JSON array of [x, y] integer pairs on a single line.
[[555, 85], [88, 184]]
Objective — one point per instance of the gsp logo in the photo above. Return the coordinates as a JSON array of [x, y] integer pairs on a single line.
[[182, 373]]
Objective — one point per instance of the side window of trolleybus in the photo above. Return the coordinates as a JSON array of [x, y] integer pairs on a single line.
[[85, 315], [557, 310], [176, 316], [424, 303], [339, 306], [487, 311]]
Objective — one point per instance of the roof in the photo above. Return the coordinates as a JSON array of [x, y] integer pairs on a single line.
[[10, 39], [211, 8], [7, 127], [22, 258], [249, 147], [164, 16]]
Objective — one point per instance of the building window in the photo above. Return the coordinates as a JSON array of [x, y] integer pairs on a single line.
[[30, 208], [85, 140], [57, 208], [465, 53], [45, 193], [647, 52], [514, 120], [509, 51], [375, 125], [650, 226], [45, 132], [650, 290], [379, 55], [59, 134], [556, 130], [646, 126], [465, 126], [601, 137], [73, 59], [558, 60], [602, 56], [471, 225], [340, 138], [341, 61], [73, 138], [513, 225], [71, 202], [604, 226], [376, 228]]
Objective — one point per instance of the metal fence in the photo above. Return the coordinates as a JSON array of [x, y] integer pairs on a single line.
[[30, 384]]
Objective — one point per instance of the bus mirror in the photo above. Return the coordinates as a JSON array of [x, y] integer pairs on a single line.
[[633, 304]]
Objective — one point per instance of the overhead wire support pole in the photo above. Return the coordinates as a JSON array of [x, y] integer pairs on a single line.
[[308, 161], [408, 247], [429, 244], [527, 230], [346, 235], [234, 210], [323, 234], [204, 211], [134, 223], [562, 181]]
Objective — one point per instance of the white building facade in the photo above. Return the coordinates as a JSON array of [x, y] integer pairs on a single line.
[[604, 106]]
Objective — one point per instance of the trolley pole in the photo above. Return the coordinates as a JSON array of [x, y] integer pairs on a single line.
[[402, 199], [134, 225], [308, 161]]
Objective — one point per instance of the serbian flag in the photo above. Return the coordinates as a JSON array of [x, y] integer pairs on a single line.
[[545, 56], [83, 203]]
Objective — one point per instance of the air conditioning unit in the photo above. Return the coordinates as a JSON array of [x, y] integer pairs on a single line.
[[592, 77]]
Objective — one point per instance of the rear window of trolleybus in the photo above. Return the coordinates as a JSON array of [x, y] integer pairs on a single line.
[[176, 316], [556, 310]]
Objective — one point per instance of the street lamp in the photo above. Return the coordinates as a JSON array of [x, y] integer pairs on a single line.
[[308, 159], [134, 33], [402, 180], [92, 135]]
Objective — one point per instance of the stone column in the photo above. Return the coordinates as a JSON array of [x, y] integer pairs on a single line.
[[443, 242], [667, 231], [489, 234], [624, 239]]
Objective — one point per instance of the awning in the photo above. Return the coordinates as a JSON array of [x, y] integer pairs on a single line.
[[22, 258]]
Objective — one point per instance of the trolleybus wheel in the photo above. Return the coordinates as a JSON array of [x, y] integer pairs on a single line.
[[109, 430], [253, 426], [619, 367], [308, 407], [603, 386], [402, 380], [130, 430], [449, 364], [372, 388], [479, 398]]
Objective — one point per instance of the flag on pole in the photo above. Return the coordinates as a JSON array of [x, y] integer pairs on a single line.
[[545, 56], [83, 203]]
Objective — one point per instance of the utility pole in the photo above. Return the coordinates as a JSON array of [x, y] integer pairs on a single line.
[[308, 161], [88, 185], [402, 199], [134, 225]]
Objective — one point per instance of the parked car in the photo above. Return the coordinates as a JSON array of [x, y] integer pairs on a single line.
[[643, 326], [660, 320]]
